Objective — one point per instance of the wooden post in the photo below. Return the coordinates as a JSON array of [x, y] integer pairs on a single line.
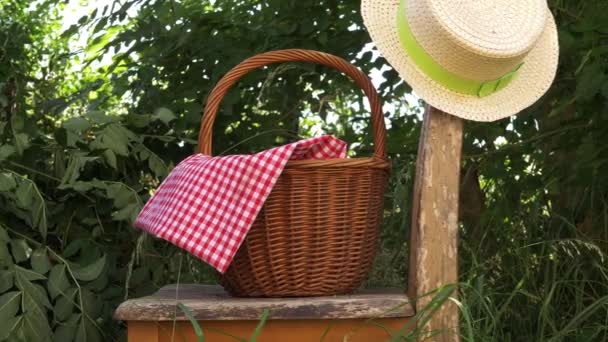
[[434, 232]]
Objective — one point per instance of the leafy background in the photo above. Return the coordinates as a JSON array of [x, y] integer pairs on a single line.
[[94, 115]]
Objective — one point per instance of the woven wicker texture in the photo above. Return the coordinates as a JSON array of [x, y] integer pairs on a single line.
[[479, 40], [317, 233]]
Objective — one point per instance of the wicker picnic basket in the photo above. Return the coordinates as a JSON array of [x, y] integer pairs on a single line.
[[317, 232]]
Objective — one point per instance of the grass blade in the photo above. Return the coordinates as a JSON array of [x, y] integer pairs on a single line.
[[588, 311], [440, 296], [197, 328], [258, 329], [329, 326]]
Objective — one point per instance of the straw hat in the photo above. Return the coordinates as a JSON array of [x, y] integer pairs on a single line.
[[481, 60]]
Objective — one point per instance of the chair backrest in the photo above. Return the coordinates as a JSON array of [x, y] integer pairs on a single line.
[[434, 232]]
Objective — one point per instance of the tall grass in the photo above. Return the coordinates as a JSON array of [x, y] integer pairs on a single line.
[[552, 290]]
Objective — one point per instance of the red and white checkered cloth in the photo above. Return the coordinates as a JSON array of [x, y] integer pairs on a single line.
[[208, 204]]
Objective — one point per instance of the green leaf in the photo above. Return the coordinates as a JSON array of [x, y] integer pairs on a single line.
[[70, 31], [67, 331], [73, 248], [71, 138], [90, 272], [77, 162], [101, 40], [36, 325], [110, 158], [87, 331], [58, 282], [99, 284], [78, 186], [116, 141], [590, 82], [115, 138], [28, 274], [99, 117], [138, 120], [39, 214], [6, 151], [6, 280], [121, 195], [157, 166], [7, 327], [65, 305], [18, 123], [4, 235], [9, 305], [128, 213], [91, 304], [100, 25], [77, 124], [6, 259], [164, 114], [20, 250], [33, 294], [21, 142], [7, 182], [40, 261], [322, 38], [24, 195], [30, 199]]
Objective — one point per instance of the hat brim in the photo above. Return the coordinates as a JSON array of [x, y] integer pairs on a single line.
[[534, 78]]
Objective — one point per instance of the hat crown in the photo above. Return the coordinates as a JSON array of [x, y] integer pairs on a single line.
[[480, 40], [492, 28]]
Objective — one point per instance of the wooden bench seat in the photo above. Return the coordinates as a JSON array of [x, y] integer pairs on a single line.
[[363, 315]]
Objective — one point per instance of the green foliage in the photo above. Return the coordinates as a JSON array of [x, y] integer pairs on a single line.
[[85, 141]]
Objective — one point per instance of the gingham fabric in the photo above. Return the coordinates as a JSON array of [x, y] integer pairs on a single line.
[[208, 204]]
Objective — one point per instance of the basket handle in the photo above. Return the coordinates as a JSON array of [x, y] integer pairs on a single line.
[[292, 55]]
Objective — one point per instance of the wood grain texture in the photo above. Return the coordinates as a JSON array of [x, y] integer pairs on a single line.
[[434, 233], [211, 303], [351, 330], [143, 331]]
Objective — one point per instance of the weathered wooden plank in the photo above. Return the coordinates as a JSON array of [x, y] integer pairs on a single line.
[[351, 330], [211, 303], [143, 331], [434, 233]]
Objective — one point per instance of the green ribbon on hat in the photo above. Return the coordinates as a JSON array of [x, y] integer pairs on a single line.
[[439, 74]]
